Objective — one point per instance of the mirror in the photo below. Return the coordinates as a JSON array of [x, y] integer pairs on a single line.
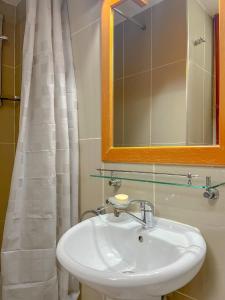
[[165, 73]]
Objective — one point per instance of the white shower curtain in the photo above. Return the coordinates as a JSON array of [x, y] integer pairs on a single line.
[[44, 191]]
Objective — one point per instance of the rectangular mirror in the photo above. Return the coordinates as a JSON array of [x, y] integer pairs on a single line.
[[163, 72]]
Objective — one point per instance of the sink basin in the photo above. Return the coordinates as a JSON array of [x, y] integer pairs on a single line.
[[120, 259]]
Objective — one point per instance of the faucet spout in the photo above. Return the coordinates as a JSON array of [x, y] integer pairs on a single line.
[[147, 213], [142, 222]]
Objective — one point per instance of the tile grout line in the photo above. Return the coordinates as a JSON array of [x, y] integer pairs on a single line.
[[4, 144], [152, 69], [85, 27], [185, 295]]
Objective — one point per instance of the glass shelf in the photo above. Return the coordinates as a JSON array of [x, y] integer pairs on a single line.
[[179, 180]]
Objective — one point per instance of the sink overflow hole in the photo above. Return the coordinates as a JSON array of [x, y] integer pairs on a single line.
[[128, 272], [140, 238]]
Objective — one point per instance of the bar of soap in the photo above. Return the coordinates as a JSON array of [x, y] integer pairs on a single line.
[[121, 198]]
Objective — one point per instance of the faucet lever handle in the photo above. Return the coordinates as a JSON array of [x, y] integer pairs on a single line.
[[143, 210], [146, 205]]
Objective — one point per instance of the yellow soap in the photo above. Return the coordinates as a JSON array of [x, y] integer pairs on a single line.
[[121, 197]]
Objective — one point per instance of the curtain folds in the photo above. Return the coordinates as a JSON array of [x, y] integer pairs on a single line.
[[43, 200]]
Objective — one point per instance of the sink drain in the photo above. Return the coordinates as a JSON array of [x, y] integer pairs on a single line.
[[141, 239]]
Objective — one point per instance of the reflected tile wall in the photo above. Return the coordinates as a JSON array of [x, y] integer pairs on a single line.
[[142, 57], [200, 76], [169, 105]]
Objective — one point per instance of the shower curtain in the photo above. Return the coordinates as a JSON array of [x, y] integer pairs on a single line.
[[44, 191]]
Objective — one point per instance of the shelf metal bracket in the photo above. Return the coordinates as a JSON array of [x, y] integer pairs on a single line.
[[114, 181], [210, 192]]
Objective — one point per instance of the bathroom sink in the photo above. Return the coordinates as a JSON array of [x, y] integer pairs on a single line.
[[120, 259]]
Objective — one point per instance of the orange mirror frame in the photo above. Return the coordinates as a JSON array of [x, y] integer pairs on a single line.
[[187, 155]]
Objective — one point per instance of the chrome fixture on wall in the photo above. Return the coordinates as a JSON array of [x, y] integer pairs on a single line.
[[6, 98], [199, 41]]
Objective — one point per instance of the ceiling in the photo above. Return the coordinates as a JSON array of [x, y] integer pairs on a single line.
[[12, 2], [131, 9], [212, 6]]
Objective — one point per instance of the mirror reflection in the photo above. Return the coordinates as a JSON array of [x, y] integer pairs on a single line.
[[165, 73]]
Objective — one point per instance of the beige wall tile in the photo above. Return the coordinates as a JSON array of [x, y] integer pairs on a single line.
[[195, 102], [9, 11], [7, 81], [208, 284], [7, 159], [91, 189], [208, 109], [178, 296], [8, 46], [17, 119], [90, 294], [137, 45], [7, 122], [169, 104], [118, 112], [169, 32], [86, 51], [20, 27], [195, 288], [21, 11], [188, 206], [214, 287], [209, 37], [88, 12], [137, 92], [2, 223], [196, 30], [18, 79], [118, 51], [18, 53]]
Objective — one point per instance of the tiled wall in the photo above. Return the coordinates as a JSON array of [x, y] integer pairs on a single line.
[[85, 31], [19, 34], [184, 205], [200, 76], [9, 112], [150, 77]]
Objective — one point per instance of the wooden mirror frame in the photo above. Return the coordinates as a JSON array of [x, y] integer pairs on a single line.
[[188, 155]]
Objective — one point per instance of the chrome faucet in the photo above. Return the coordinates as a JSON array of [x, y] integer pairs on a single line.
[[146, 208]]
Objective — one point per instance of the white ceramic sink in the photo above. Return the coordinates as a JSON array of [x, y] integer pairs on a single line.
[[118, 258]]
